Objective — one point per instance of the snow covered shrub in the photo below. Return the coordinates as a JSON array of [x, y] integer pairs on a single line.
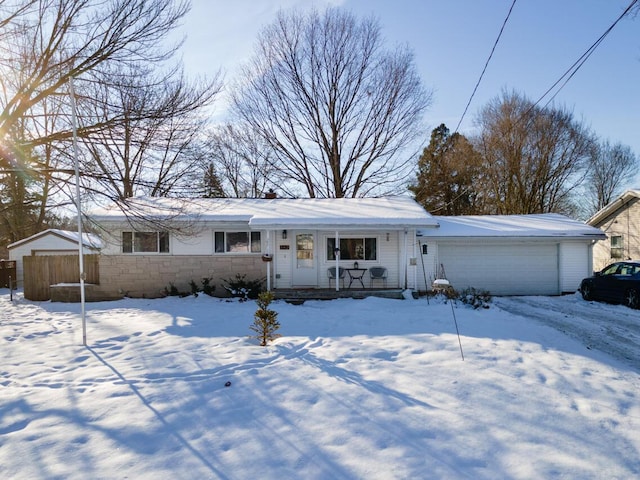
[[244, 289], [475, 298], [265, 322], [206, 287]]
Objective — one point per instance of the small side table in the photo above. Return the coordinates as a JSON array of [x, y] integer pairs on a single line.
[[356, 275]]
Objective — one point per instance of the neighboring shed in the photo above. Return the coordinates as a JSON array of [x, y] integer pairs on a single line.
[[50, 242], [545, 254], [620, 221]]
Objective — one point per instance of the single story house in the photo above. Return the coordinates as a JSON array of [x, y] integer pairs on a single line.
[[620, 221], [297, 243], [51, 242], [291, 243], [545, 254]]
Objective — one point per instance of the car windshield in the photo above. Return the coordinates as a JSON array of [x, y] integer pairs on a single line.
[[611, 269]]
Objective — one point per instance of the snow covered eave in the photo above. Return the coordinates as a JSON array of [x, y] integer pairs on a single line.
[[612, 207], [88, 240], [514, 238], [544, 226], [339, 224]]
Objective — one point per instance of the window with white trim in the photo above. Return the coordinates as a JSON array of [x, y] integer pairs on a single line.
[[617, 246], [354, 248], [237, 242], [145, 242]]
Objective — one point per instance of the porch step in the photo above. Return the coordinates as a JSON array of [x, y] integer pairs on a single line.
[[300, 295]]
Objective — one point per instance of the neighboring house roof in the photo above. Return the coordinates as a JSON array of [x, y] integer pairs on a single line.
[[88, 240], [611, 208], [281, 213], [538, 225]]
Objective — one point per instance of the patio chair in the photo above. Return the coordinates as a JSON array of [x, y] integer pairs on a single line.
[[331, 273], [378, 273]]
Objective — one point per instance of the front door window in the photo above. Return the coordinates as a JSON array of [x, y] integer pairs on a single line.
[[304, 250]]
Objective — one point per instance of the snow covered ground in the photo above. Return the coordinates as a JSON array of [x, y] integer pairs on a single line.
[[354, 389]]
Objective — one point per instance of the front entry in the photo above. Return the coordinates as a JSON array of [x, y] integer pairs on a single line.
[[305, 265]]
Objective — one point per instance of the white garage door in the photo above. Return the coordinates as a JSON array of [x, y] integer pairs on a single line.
[[523, 269]]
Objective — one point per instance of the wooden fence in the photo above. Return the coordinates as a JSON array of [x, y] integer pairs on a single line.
[[42, 271], [7, 273]]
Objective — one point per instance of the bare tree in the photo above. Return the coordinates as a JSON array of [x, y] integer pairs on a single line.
[[245, 162], [56, 40], [27, 177], [44, 44], [335, 106], [610, 167], [152, 145], [534, 158]]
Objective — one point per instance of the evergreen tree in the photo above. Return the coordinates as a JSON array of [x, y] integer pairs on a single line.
[[447, 172], [265, 322], [212, 184]]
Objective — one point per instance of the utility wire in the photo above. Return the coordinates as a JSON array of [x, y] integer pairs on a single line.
[[486, 65], [573, 69]]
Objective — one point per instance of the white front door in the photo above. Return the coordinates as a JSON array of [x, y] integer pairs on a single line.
[[305, 265]]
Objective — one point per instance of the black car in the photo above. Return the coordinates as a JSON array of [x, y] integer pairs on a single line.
[[617, 283]]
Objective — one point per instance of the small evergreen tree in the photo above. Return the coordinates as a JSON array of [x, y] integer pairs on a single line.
[[212, 184], [265, 322]]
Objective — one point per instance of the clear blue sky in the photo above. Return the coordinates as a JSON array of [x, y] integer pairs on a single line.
[[452, 39]]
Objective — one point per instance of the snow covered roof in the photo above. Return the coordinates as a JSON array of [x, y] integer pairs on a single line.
[[88, 239], [540, 225], [619, 202], [393, 212]]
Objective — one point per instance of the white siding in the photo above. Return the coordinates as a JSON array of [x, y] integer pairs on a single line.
[[502, 269], [283, 260], [426, 263], [201, 243], [624, 222], [387, 256]]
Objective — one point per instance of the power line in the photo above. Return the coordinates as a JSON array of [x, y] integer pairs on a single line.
[[486, 64], [573, 69]]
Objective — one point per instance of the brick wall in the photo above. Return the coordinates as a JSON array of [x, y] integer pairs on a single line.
[[148, 275]]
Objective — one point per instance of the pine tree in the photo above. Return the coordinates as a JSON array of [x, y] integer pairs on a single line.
[[447, 173], [265, 322], [212, 184]]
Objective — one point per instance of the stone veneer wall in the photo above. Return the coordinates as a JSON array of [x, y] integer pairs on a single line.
[[148, 275]]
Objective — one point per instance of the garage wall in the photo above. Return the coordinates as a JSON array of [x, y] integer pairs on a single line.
[[503, 269]]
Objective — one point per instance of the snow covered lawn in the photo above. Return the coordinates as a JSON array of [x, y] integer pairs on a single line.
[[355, 389]]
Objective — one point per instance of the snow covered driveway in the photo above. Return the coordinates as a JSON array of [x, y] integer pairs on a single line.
[[612, 329]]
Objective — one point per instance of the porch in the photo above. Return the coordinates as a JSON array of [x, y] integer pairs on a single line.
[[300, 295]]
